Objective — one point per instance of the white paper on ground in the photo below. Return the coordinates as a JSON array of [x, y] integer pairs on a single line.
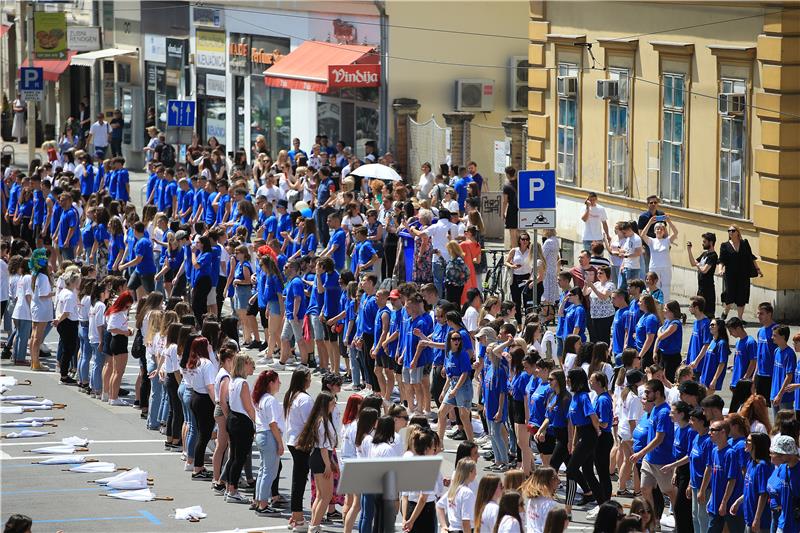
[[143, 495], [94, 468], [25, 433], [8, 381], [64, 460], [55, 450], [75, 441], [186, 513]]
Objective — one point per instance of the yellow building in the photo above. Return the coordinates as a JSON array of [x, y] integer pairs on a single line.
[[707, 117]]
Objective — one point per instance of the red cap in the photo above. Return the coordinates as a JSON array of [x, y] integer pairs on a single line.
[[395, 294]]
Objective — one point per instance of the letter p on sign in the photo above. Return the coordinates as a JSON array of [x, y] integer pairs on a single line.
[[537, 184]]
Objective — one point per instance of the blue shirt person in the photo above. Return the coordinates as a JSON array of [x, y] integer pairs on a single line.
[[744, 355], [68, 231], [784, 365], [716, 355], [700, 341], [725, 479]]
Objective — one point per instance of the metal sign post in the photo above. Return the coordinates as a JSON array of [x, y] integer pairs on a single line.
[[536, 199]]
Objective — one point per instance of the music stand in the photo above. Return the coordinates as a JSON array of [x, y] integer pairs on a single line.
[[389, 476]]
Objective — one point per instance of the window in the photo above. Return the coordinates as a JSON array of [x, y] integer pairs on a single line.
[[672, 137], [567, 120], [731, 156], [617, 150]]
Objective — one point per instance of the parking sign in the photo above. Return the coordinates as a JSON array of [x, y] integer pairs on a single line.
[[536, 199], [31, 83]]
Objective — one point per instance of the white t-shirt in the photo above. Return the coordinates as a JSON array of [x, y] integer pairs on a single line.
[[607, 370], [269, 410], [460, 509], [536, 511], [222, 374], [508, 525], [440, 234], [659, 253], [171, 362], [471, 319], [96, 321], [67, 302], [99, 133], [489, 517], [235, 402], [117, 321], [593, 227], [425, 185], [203, 376], [3, 280], [363, 451], [22, 310], [41, 308], [299, 411], [384, 449], [630, 245], [326, 440], [349, 441], [569, 361], [83, 308]]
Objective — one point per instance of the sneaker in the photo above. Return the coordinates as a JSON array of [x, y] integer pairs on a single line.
[[591, 515], [668, 521], [202, 475], [459, 435], [277, 365], [124, 392], [351, 388], [237, 498], [334, 515], [268, 510], [187, 467], [264, 361], [104, 397], [218, 488], [118, 402], [66, 380], [432, 416], [302, 527]]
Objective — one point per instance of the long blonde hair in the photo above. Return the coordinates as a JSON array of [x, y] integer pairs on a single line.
[[485, 493], [464, 468], [539, 483], [169, 318], [154, 319]]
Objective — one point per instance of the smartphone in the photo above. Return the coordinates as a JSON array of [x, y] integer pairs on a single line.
[[661, 218]]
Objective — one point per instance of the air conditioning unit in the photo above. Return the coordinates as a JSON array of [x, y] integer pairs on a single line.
[[608, 89], [567, 85], [474, 95], [731, 104], [518, 83]]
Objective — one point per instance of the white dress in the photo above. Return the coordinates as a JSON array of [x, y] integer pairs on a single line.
[[18, 129], [42, 308], [550, 251]]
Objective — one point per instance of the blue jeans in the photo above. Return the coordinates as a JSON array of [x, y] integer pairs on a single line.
[[185, 394], [96, 373], [716, 523], [86, 355], [21, 340], [438, 275], [163, 413], [156, 397], [627, 274], [268, 449], [355, 366], [367, 513], [587, 245], [499, 446], [699, 513]]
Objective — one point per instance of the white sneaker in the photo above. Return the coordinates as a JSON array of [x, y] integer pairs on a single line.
[[277, 365], [264, 361], [591, 515], [350, 388], [118, 402], [668, 521], [187, 467], [104, 398]]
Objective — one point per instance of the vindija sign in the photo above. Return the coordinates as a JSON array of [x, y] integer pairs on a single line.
[[354, 76]]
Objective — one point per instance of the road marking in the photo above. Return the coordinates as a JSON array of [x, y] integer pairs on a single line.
[[90, 442], [142, 514], [29, 457], [38, 491]]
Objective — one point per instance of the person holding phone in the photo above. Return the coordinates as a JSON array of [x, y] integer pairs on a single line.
[[644, 218], [659, 245], [595, 221]]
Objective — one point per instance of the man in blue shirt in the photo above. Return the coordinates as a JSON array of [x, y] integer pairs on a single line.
[[284, 221], [39, 208], [461, 186], [658, 451], [169, 194], [123, 184], [472, 169], [365, 324], [635, 289], [152, 179], [337, 246], [366, 256], [744, 362], [415, 358], [13, 199], [143, 278], [765, 353], [68, 227], [269, 222], [295, 305], [783, 370], [295, 151], [222, 202], [184, 200], [564, 283], [701, 335], [725, 479], [326, 199]]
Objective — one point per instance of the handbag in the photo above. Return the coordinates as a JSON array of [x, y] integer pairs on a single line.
[[752, 271], [138, 350]]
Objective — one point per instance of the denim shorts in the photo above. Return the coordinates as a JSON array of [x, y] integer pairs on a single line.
[[317, 328], [274, 307], [292, 328], [413, 376], [461, 397], [242, 297]]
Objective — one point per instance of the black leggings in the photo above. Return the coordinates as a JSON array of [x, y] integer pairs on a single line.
[[581, 463], [220, 295], [437, 383], [367, 342], [516, 293], [300, 469], [175, 418], [240, 432], [452, 293], [203, 409], [275, 481], [602, 463], [682, 506], [68, 331], [200, 297], [426, 521], [600, 329], [560, 452], [145, 385], [670, 362]]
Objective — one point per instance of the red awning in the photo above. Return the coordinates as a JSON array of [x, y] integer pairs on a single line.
[[53, 68], [306, 68], [4, 29]]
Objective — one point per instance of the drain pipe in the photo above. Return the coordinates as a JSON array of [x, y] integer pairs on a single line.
[[383, 110]]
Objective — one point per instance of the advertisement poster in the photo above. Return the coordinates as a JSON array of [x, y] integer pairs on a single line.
[[50, 35]]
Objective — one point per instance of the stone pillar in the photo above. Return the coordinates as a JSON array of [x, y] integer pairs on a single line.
[[460, 140], [513, 126], [776, 213], [405, 109]]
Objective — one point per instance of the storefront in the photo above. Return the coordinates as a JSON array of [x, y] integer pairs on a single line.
[[165, 73], [210, 60]]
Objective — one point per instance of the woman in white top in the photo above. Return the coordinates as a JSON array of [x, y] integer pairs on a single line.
[[660, 262], [41, 304], [539, 490], [508, 514], [117, 326], [22, 312], [520, 262], [426, 181], [384, 444], [240, 424], [199, 374], [297, 406], [97, 328], [66, 321], [84, 306], [490, 489], [601, 309], [362, 439], [221, 409], [169, 372], [150, 390], [270, 427], [456, 507], [419, 514]]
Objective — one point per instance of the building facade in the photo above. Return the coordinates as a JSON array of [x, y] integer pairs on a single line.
[[706, 118]]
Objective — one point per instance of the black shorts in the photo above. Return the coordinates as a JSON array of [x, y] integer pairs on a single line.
[[384, 360], [426, 370], [119, 345], [511, 221], [147, 281], [252, 309], [516, 411], [169, 277], [328, 333], [548, 446], [315, 462]]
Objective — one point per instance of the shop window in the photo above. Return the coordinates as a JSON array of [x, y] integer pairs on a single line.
[[618, 141], [270, 114], [567, 122], [367, 119], [672, 139], [732, 155]]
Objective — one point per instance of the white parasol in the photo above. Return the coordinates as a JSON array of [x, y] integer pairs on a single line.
[[75, 441], [136, 478], [37, 419], [99, 467], [63, 460], [60, 449], [21, 424], [142, 495], [377, 171], [26, 433], [193, 513], [32, 402], [10, 409], [18, 397]]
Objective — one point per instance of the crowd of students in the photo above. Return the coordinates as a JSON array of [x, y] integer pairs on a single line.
[[375, 287]]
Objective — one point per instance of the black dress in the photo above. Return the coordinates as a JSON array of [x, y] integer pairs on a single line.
[[736, 279]]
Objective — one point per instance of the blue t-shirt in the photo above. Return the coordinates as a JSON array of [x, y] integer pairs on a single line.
[[87, 181], [618, 330], [672, 344], [699, 458], [797, 392], [717, 353], [324, 190], [314, 297], [101, 234], [755, 484], [69, 219], [130, 242], [766, 350], [784, 365], [604, 407], [331, 305], [724, 466], [561, 322], [185, 201], [581, 409], [557, 412], [111, 184], [206, 266], [440, 333], [274, 288], [661, 423], [98, 177], [222, 206], [13, 198], [738, 444], [144, 249], [39, 207], [270, 225], [309, 245], [25, 210], [284, 224], [538, 403], [295, 288], [168, 193], [494, 382], [701, 335], [641, 433], [461, 188], [745, 352], [87, 235], [152, 180], [787, 491], [209, 212], [576, 318], [682, 441], [199, 201], [518, 385], [424, 323], [365, 322], [634, 314], [395, 325], [365, 253], [647, 324], [456, 364], [117, 247], [122, 184], [56, 217]]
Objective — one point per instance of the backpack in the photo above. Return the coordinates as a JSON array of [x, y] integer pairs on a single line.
[[456, 272], [138, 349], [168, 156]]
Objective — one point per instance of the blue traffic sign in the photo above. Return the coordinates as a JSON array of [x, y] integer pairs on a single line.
[[536, 189], [31, 79], [180, 113]]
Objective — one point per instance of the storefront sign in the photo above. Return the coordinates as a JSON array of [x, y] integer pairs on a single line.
[[215, 85], [176, 52], [265, 52], [155, 48], [50, 35], [207, 16], [354, 76], [239, 54], [210, 50], [83, 38]]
